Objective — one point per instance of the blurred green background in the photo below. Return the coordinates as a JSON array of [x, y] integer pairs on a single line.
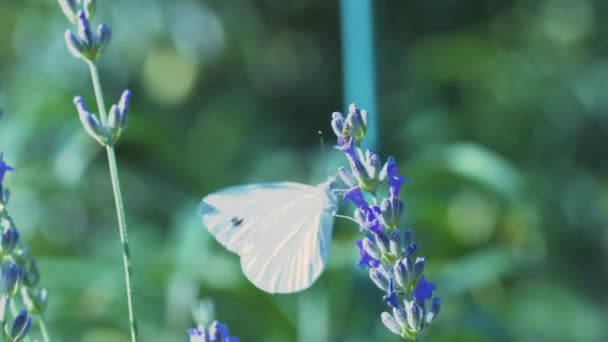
[[495, 110]]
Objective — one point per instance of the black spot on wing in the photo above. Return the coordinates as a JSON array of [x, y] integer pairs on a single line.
[[236, 221]]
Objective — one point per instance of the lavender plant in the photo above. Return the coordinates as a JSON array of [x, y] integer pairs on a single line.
[[217, 332], [19, 277], [388, 250], [105, 128]]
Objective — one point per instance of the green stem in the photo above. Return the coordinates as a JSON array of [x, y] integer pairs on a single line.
[[120, 211], [43, 330]]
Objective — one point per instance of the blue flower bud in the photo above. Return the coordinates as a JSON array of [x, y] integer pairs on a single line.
[[382, 242], [337, 123], [31, 276], [419, 266], [414, 315], [3, 169], [391, 207], [400, 316], [102, 38], [4, 196], [395, 243], [408, 237], [433, 310], [8, 240], [35, 299], [68, 7], [74, 44], [11, 277], [21, 326], [123, 104], [90, 7], [218, 331], [90, 122], [372, 163], [355, 124], [380, 277], [371, 248], [391, 297], [84, 29], [117, 119], [391, 323], [401, 273], [411, 249]]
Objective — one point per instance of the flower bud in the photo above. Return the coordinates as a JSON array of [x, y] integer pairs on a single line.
[[31, 276], [372, 162], [380, 277], [411, 249], [355, 123], [90, 122], [433, 310], [218, 331], [390, 322], [35, 299], [371, 248], [391, 207], [419, 266], [90, 7], [11, 277], [74, 44], [337, 123], [408, 237], [5, 195], [68, 7], [84, 30], [102, 38], [401, 274], [21, 326], [117, 119], [382, 242], [414, 315], [395, 243], [400, 316], [8, 240]]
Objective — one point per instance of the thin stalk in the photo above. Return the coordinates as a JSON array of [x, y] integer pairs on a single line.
[[120, 211], [43, 330]]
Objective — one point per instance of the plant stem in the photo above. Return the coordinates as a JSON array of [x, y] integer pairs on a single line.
[[43, 330], [120, 211]]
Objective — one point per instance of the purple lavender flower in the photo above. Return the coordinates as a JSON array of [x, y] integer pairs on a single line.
[[388, 250], [217, 332], [3, 169]]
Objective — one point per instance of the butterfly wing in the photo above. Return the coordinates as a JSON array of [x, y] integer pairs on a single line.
[[281, 231]]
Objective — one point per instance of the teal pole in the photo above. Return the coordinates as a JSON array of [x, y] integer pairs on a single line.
[[358, 61]]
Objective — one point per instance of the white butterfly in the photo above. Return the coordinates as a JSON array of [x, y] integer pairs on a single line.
[[281, 231]]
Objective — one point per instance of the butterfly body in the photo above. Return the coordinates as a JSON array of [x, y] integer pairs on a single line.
[[281, 231]]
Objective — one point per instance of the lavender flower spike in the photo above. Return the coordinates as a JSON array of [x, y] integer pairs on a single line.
[[388, 249], [217, 332]]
